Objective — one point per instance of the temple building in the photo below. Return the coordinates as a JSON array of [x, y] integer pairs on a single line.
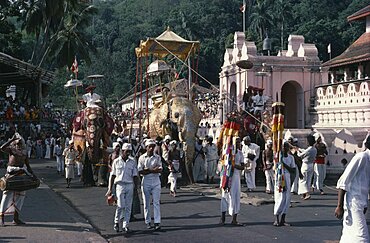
[[331, 98], [342, 105], [291, 75]]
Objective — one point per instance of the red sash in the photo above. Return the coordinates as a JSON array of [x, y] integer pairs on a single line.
[[320, 160]]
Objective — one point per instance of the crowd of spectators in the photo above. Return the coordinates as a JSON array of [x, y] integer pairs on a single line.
[[208, 104]]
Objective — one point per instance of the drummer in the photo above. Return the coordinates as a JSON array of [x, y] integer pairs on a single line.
[[12, 201]]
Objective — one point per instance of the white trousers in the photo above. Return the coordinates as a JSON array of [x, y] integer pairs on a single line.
[[250, 177], [172, 179], [354, 227], [124, 193], [295, 182], [151, 187], [199, 169], [230, 201], [319, 176], [79, 168], [211, 168], [70, 171], [29, 152], [60, 163], [282, 199], [270, 181], [305, 182], [11, 202]]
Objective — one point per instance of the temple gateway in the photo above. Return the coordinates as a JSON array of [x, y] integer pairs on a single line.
[[330, 98]]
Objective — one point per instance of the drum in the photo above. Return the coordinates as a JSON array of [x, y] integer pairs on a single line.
[[18, 182]]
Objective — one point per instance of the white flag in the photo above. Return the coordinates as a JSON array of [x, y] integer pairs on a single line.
[[329, 48]]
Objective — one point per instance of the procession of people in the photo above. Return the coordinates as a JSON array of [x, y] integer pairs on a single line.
[[150, 164]]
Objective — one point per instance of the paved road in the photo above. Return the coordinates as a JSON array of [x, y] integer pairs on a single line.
[[192, 216], [49, 218]]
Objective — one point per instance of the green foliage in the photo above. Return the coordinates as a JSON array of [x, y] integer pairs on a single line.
[[51, 32]]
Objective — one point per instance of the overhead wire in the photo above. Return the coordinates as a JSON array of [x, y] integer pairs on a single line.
[[258, 120]]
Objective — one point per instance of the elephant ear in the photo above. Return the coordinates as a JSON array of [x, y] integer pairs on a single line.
[[78, 121], [109, 124]]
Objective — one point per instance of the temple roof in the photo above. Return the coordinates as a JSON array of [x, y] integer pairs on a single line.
[[362, 13], [15, 71], [359, 51]]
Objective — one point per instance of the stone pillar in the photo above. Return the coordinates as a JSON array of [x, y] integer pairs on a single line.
[[346, 74], [332, 77], [360, 71]]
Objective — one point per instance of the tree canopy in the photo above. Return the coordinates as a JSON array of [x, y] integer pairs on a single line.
[[103, 36]]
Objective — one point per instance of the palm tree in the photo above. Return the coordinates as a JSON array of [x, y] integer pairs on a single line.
[[70, 38], [57, 26], [261, 17]]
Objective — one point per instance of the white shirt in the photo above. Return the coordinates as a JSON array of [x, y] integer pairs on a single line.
[[309, 155], [124, 170], [251, 149], [259, 101], [70, 156], [90, 99], [289, 161], [355, 180], [239, 159], [211, 152], [149, 162]]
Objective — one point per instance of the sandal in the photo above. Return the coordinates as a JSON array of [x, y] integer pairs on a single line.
[[284, 224], [236, 224], [18, 222]]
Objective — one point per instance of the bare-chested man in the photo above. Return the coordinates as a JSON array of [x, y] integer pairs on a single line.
[[12, 201]]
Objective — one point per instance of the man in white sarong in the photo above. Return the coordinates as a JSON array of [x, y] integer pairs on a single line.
[[174, 166], [199, 162], [124, 176], [251, 153], [150, 167], [211, 159], [354, 185], [282, 193], [230, 199], [268, 164], [90, 97], [319, 165], [70, 157], [12, 201], [259, 101], [308, 156]]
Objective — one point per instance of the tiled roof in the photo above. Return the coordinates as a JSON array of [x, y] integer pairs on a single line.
[[360, 14], [359, 51]]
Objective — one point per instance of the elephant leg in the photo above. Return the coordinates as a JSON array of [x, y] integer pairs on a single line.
[[87, 172], [106, 139], [189, 170], [102, 176]]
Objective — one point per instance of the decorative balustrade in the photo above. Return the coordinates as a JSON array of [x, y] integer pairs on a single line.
[[345, 104]]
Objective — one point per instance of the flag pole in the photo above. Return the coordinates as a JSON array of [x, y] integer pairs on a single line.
[[76, 76], [244, 8]]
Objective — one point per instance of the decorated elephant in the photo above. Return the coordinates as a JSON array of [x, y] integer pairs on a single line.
[[91, 132], [179, 117]]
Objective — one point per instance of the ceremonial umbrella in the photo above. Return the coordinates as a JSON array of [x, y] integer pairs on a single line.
[[74, 83]]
